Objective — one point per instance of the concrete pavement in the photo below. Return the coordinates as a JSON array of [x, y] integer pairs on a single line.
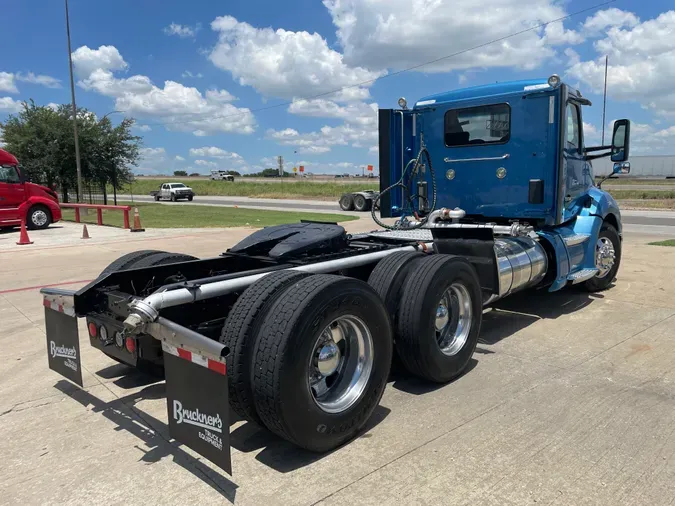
[[569, 401]]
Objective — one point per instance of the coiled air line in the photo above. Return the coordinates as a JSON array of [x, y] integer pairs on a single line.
[[410, 199]]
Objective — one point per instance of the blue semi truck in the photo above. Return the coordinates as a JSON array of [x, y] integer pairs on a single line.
[[484, 192]]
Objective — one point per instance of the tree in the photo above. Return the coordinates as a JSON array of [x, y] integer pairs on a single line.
[[195, 174], [42, 139], [233, 173], [180, 173]]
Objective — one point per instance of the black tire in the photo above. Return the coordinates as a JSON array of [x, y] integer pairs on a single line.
[[162, 258], [361, 203], [240, 331], [190, 198], [173, 197], [127, 261], [388, 276], [597, 284], [285, 345], [156, 198], [38, 217], [347, 202], [416, 340]]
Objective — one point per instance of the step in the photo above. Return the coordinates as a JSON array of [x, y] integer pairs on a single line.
[[582, 275], [573, 240]]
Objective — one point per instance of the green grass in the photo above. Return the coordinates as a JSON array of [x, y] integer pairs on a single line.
[[192, 216], [668, 242], [276, 190], [642, 194]]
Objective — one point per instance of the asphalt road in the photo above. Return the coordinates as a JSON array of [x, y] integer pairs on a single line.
[[635, 219]]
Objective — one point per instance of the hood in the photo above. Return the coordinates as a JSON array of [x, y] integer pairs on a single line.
[[36, 190]]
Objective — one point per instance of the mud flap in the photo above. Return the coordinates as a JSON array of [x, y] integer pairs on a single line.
[[197, 404], [63, 343]]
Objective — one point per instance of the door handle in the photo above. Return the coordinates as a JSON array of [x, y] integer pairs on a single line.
[[503, 157]]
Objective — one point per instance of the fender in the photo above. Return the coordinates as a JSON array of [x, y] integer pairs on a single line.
[[603, 206], [53, 207]]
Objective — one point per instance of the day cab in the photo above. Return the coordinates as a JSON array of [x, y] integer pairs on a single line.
[[23, 200], [514, 152]]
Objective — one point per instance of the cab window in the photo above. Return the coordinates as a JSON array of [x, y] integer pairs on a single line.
[[573, 137], [8, 174], [487, 124]]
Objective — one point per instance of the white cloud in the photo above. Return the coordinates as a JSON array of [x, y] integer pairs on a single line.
[[314, 150], [153, 152], [555, 34], [283, 63], [641, 63], [179, 158], [214, 152], [205, 163], [7, 83], [399, 34], [47, 81], [179, 107], [8, 104], [86, 60], [328, 136], [183, 31], [143, 128], [356, 112], [187, 73], [373, 150], [53, 106], [608, 18], [220, 96]]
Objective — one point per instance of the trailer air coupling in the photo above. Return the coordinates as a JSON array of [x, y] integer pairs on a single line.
[[141, 313]]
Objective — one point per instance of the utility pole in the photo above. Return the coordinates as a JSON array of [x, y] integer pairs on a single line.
[[604, 102], [72, 93]]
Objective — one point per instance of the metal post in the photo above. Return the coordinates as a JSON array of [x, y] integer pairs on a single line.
[[72, 93], [604, 102]]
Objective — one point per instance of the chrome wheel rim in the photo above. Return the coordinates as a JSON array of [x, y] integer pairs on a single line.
[[39, 218], [605, 256], [340, 364], [453, 319]]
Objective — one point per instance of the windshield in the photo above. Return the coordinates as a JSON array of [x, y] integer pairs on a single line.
[[178, 185], [9, 174]]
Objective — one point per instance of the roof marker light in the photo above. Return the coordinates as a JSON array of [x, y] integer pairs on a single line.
[[554, 81]]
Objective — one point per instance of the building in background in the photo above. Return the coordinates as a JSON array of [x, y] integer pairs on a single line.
[[640, 166]]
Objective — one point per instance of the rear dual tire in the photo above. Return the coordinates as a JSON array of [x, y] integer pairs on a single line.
[[310, 356]]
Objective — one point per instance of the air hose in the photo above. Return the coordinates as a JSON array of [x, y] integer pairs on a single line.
[[402, 184]]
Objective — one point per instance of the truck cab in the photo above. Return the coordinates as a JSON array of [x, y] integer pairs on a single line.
[[21, 200], [173, 192], [506, 153]]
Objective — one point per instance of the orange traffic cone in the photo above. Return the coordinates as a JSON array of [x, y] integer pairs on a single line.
[[137, 222], [85, 233], [23, 238]]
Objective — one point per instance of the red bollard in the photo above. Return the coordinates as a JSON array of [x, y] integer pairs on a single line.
[[126, 219], [23, 238], [99, 216], [77, 215]]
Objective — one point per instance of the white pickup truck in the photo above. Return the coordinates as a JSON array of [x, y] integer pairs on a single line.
[[173, 192]]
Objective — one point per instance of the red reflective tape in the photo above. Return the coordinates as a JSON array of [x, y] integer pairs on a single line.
[[219, 367], [60, 308], [46, 303], [184, 354]]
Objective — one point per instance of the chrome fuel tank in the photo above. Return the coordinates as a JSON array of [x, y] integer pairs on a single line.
[[522, 263]]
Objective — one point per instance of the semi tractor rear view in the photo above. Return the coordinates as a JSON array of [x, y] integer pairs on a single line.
[[484, 192]]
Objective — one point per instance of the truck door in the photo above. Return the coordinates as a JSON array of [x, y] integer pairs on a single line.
[[12, 193], [491, 159], [577, 170], [164, 192]]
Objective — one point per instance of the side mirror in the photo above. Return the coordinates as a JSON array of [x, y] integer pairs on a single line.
[[620, 140], [621, 168]]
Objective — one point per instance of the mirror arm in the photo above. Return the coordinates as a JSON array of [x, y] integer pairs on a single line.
[[596, 148], [601, 155], [605, 179]]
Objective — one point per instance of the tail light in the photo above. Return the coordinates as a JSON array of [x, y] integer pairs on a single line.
[[93, 331], [130, 344]]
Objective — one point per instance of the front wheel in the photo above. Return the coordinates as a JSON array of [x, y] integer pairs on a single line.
[[173, 197], [607, 259], [38, 218], [190, 198]]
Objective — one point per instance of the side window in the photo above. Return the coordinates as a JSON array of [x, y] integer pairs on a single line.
[[573, 140], [8, 174], [488, 124], [164, 187]]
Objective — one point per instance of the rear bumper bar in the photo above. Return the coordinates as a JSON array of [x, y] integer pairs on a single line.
[[194, 368]]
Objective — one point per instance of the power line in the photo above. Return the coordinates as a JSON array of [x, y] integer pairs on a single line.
[[396, 73]]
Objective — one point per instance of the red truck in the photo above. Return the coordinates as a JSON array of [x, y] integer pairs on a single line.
[[20, 199]]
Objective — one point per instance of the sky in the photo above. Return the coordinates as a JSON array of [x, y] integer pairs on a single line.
[[233, 84]]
